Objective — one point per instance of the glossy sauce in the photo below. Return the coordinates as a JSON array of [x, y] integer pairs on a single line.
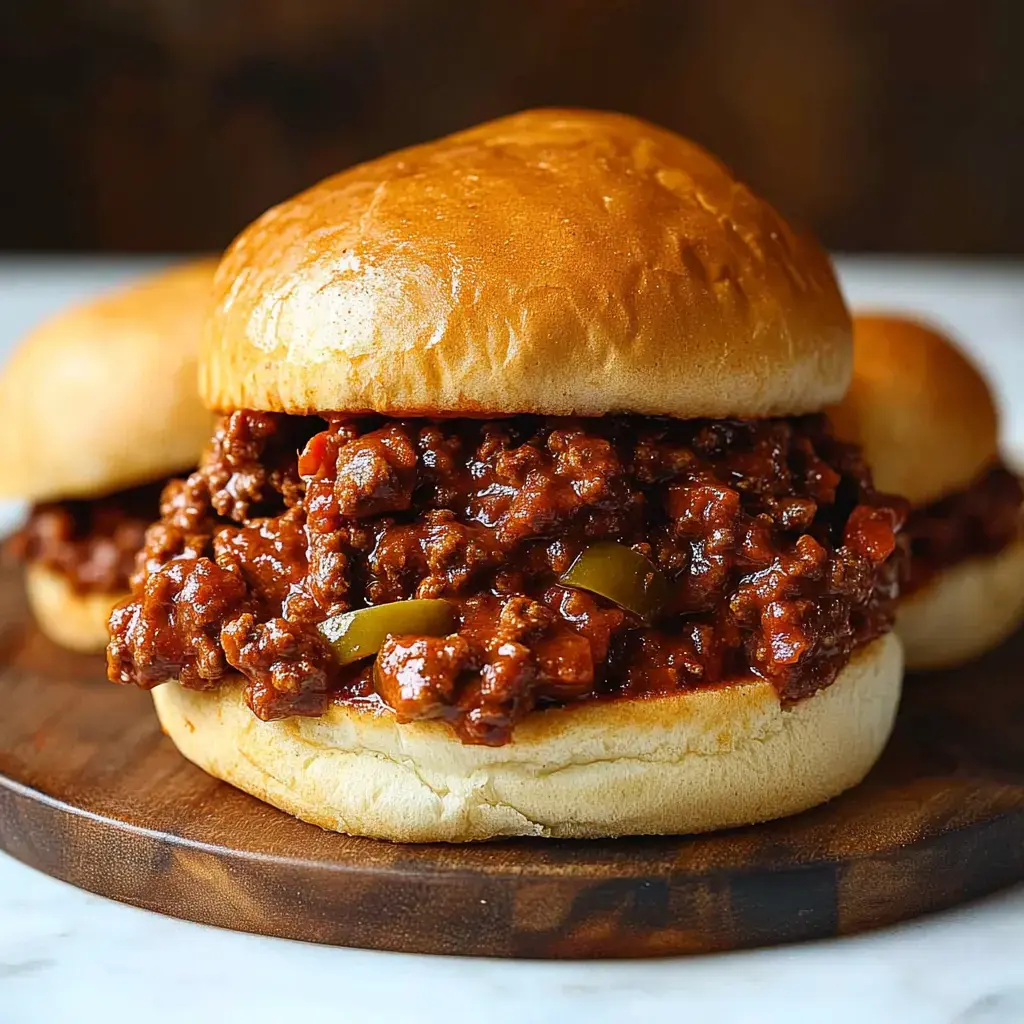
[[781, 560], [980, 520], [91, 543]]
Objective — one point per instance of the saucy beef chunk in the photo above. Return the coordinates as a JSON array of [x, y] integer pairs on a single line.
[[981, 520], [780, 558], [91, 543]]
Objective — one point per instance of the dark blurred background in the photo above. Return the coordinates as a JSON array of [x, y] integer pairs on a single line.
[[168, 124]]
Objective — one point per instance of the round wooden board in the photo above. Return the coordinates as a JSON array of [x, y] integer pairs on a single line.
[[92, 793]]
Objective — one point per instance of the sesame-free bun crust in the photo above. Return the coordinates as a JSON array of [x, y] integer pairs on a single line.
[[963, 612], [103, 396], [72, 620], [556, 261], [919, 408], [700, 761]]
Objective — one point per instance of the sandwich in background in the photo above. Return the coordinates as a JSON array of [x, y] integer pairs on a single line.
[[98, 406], [926, 420]]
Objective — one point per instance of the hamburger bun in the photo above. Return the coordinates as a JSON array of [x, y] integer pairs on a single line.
[[103, 396], [708, 759], [928, 426], [919, 408], [964, 611], [556, 261], [74, 620]]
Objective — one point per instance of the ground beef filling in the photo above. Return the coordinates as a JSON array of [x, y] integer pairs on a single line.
[[93, 543], [781, 560], [977, 522]]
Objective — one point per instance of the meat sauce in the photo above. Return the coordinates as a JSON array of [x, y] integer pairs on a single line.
[[979, 521], [92, 543], [780, 556]]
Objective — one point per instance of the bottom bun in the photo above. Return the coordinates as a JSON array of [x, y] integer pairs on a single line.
[[73, 620], [964, 611], [693, 762]]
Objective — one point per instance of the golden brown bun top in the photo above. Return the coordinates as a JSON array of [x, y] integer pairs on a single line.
[[103, 395], [920, 409], [555, 261]]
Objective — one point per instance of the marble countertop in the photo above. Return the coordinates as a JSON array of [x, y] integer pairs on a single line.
[[68, 956]]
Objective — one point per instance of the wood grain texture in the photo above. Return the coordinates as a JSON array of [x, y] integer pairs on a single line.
[[92, 793]]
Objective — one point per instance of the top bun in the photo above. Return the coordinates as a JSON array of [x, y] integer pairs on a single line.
[[919, 408], [103, 396], [556, 261]]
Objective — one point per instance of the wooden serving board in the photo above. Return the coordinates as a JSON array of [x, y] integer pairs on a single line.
[[92, 793]]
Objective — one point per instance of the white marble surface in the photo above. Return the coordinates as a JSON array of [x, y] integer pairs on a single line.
[[68, 956]]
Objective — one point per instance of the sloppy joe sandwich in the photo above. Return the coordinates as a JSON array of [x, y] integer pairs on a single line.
[[521, 517], [929, 428], [98, 407]]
